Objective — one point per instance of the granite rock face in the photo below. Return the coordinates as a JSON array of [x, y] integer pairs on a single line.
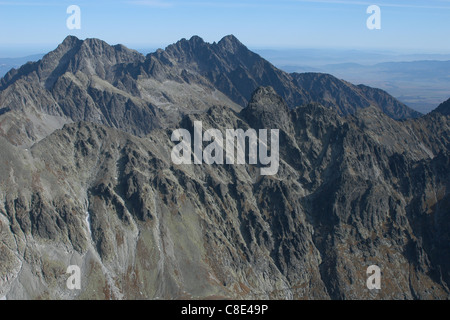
[[350, 192]]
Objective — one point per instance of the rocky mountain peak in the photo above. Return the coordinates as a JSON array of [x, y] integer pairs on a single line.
[[195, 39], [263, 105], [185, 45], [264, 97], [186, 51], [70, 42], [91, 56], [230, 44]]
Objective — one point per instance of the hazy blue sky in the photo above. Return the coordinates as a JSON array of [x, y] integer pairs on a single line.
[[405, 24]]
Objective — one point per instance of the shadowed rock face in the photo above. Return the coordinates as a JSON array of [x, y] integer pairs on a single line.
[[112, 85], [444, 108], [350, 192]]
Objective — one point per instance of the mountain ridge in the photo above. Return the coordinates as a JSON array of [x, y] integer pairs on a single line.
[[115, 82]]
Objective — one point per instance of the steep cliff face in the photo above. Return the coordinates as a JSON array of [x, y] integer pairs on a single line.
[[350, 192]]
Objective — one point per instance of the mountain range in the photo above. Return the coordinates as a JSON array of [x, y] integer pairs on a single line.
[[119, 87], [87, 180]]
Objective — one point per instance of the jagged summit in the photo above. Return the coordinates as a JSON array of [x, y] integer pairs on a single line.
[[265, 103], [263, 92], [70, 41], [231, 44], [91, 56], [266, 99], [231, 38], [196, 39], [193, 41], [227, 42]]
